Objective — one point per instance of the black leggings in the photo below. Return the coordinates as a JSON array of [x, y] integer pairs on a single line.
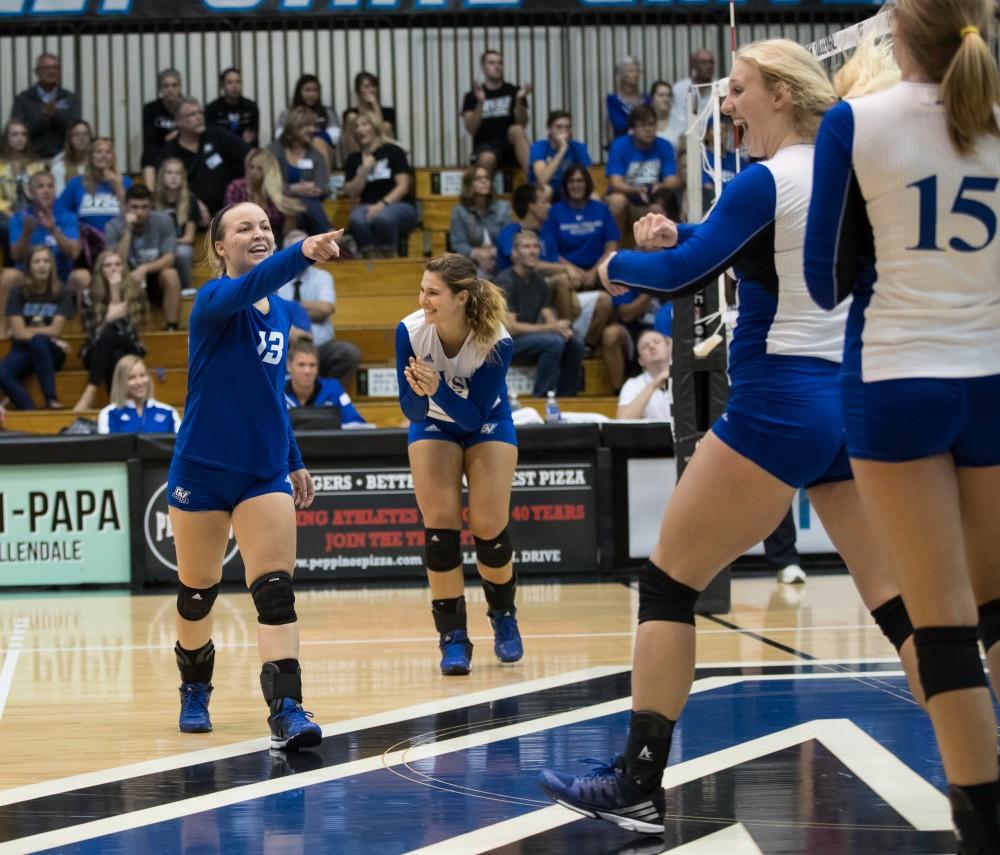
[[103, 356]]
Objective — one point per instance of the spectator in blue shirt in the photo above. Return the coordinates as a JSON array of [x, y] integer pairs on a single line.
[[552, 156], [97, 196], [39, 224], [133, 409], [532, 209], [305, 389], [627, 95], [638, 165]]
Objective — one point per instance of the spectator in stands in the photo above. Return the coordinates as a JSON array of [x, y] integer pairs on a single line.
[[211, 158], [627, 95], [553, 155], [264, 186], [159, 125], [477, 219], [37, 310], [532, 210], [638, 165], [378, 180], [146, 239], [97, 196], [540, 338], [648, 395], [702, 69], [46, 109], [666, 202], [173, 198], [17, 164], [231, 111], [314, 290], [41, 223], [71, 161], [585, 235], [113, 311], [326, 125], [304, 170], [366, 100], [661, 99], [133, 409], [496, 116], [306, 389]]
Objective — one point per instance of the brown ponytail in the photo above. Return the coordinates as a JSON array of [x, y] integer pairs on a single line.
[[948, 40], [486, 307]]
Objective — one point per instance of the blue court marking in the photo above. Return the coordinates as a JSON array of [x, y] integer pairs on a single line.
[[382, 812]]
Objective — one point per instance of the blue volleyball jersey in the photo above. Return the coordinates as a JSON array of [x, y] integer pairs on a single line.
[[473, 386], [155, 418], [235, 416], [758, 228]]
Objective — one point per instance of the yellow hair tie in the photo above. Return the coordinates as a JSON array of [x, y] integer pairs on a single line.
[[971, 30]]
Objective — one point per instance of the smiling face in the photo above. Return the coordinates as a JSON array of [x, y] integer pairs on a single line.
[[752, 107], [245, 238], [441, 305], [481, 182], [527, 250], [102, 156], [576, 187], [138, 382]]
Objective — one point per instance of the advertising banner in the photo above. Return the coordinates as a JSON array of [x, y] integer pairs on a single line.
[[288, 10], [64, 524], [365, 524]]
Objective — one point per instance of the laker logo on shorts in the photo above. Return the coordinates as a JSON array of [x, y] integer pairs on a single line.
[[489, 427], [181, 495]]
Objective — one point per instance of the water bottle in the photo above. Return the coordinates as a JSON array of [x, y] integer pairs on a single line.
[[552, 415]]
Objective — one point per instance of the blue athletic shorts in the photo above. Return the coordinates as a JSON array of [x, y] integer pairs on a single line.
[[784, 414], [897, 420], [193, 487], [501, 430]]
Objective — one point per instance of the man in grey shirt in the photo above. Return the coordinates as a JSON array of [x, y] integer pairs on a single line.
[[146, 239], [47, 109], [314, 290]]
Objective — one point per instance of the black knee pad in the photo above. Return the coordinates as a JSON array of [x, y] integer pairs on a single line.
[[195, 603], [442, 549], [989, 624], [274, 597], [948, 659], [663, 598], [894, 621], [496, 551]]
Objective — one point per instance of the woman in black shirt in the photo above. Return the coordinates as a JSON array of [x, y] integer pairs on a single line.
[[378, 180]]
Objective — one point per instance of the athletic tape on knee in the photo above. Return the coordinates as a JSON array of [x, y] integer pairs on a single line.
[[496, 551], [274, 597], [665, 599], [948, 659], [894, 621], [195, 603], [442, 549], [989, 624]]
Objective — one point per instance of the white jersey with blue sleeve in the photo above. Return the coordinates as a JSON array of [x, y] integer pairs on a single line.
[[903, 220], [757, 227], [473, 387]]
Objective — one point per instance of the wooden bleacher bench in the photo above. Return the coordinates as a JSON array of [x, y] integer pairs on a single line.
[[383, 412]]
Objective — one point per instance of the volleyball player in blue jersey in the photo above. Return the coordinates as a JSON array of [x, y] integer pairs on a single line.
[[781, 431], [236, 464], [907, 221], [452, 356]]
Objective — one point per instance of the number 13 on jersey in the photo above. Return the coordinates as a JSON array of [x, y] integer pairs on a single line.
[[271, 347]]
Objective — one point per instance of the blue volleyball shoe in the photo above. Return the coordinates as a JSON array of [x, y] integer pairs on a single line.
[[608, 794], [194, 716], [506, 636], [456, 653], [292, 728]]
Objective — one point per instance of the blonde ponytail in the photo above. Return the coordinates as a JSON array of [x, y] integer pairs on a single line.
[[872, 68]]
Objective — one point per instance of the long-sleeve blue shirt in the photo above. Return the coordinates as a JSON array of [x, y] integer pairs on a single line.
[[235, 416]]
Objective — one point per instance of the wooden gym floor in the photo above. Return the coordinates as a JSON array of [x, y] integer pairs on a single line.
[[800, 737]]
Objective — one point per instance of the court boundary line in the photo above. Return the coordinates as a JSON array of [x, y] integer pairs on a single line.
[[14, 649]]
